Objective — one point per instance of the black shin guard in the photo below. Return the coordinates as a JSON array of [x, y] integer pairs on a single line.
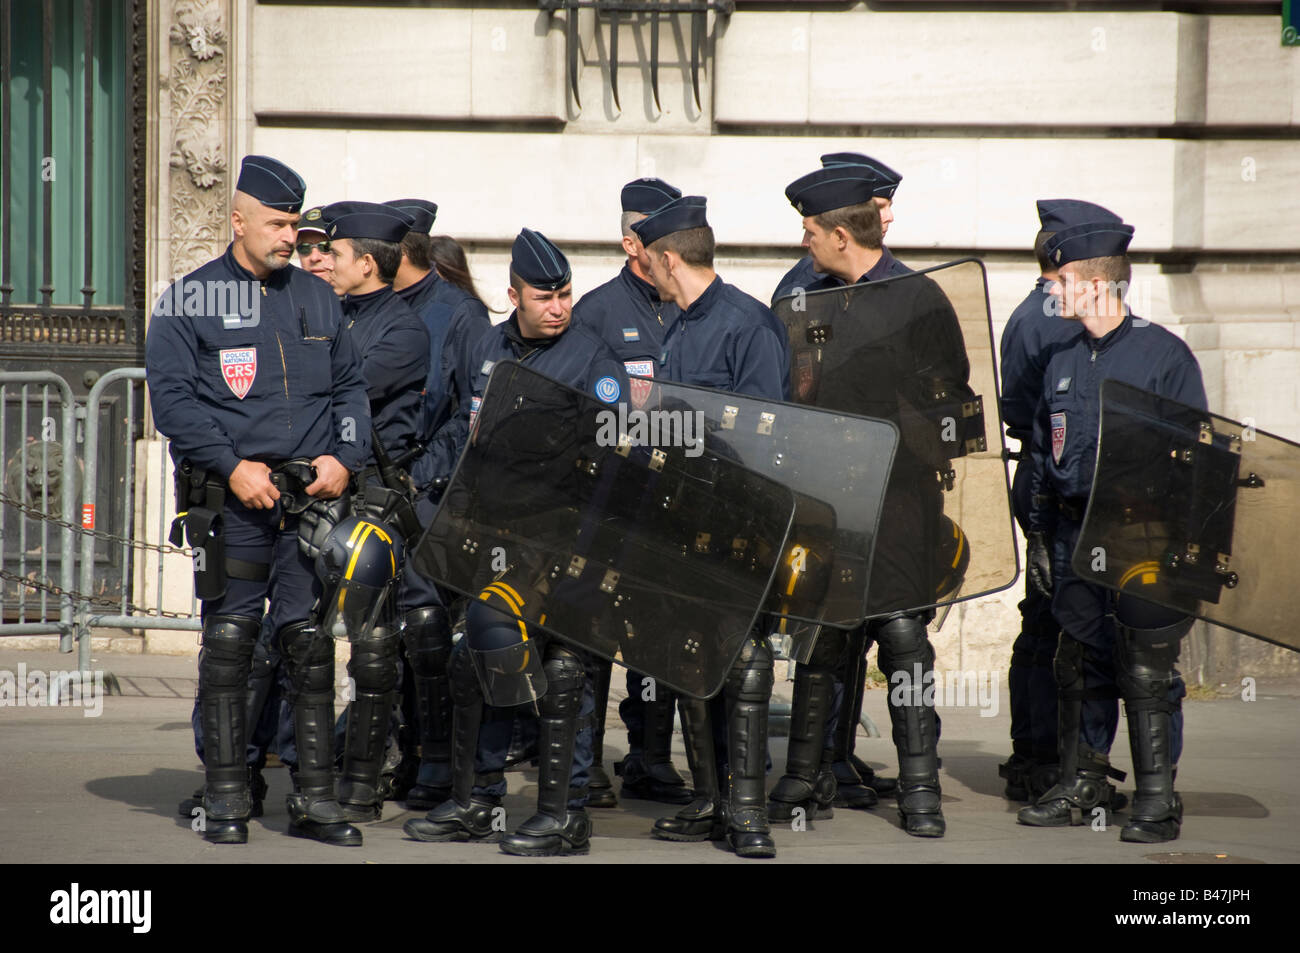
[[905, 648], [1144, 667], [702, 818], [555, 828], [749, 694], [313, 808], [427, 635], [373, 670], [809, 781], [600, 787], [224, 667]]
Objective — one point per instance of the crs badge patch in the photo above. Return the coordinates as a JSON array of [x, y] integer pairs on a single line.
[[1058, 436], [640, 390], [474, 404], [607, 389], [238, 368]]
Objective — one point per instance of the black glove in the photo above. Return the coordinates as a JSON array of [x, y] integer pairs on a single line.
[[1040, 561]]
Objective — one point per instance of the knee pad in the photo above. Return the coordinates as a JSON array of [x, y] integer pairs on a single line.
[[373, 665], [565, 678], [227, 657], [310, 662], [1144, 667], [427, 634], [750, 677], [904, 641]]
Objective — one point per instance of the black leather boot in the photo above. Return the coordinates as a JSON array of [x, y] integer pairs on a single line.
[[462, 817], [224, 668], [314, 810], [702, 818], [905, 647], [653, 777], [809, 782], [556, 828], [749, 693]]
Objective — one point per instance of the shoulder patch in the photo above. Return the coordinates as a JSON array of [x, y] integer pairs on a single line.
[[607, 389]]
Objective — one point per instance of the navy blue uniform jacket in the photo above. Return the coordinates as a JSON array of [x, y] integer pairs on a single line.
[[729, 341], [394, 350], [804, 275], [629, 316], [270, 385], [1069, 412]]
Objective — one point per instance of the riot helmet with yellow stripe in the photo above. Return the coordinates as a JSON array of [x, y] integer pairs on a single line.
[[358, 564], [506, 657]]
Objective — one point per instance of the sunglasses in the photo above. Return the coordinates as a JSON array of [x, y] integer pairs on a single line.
[[304, 248]]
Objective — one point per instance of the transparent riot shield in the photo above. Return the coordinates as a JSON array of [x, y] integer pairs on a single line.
[[837, 465], [917, 350], [658, 558], [1194, 512]]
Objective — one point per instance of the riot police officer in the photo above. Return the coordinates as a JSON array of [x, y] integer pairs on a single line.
[[252, 397], [885, 182], [498, 660], [631, 317], [842, 231], [1033, 333], [1108, 647], [454, 320], [724, 339], [393, 346]]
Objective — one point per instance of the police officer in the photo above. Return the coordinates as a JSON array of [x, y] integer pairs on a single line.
[[454, 320], [314, 245], [885, 183], [724, 339], [842, 232], [1132, 652], [241, 395], [1033, 333], [631, 317], [393, 346], [540, 335], [846, 176]]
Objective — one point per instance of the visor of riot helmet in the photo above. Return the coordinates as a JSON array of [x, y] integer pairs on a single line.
[[356, 610], [358, 566], [508, 661]]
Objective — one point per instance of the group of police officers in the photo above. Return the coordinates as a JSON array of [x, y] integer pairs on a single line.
[[314, 434]]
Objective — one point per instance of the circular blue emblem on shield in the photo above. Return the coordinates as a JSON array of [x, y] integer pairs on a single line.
[[607, 389]]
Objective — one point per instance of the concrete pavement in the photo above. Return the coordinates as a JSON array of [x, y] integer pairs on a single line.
[[104, 789]]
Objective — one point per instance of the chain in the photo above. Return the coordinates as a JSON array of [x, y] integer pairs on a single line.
[[165, 549], [72, 594]]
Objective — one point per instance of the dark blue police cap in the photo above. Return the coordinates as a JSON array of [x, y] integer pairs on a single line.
[[831, 188], [648, 195], [886, 178], [313, 220], [1058, 214], [536, 260], [1089, 240], [423, 212], [365, 220], [682, 213], [272, 183]]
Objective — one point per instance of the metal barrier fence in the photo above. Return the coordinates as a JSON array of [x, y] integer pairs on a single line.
[[114, 563]]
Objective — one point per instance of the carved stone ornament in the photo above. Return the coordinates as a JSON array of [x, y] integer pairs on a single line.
[[198, 81]]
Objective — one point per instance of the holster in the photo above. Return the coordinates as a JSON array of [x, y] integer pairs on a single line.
[[200, 497]]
